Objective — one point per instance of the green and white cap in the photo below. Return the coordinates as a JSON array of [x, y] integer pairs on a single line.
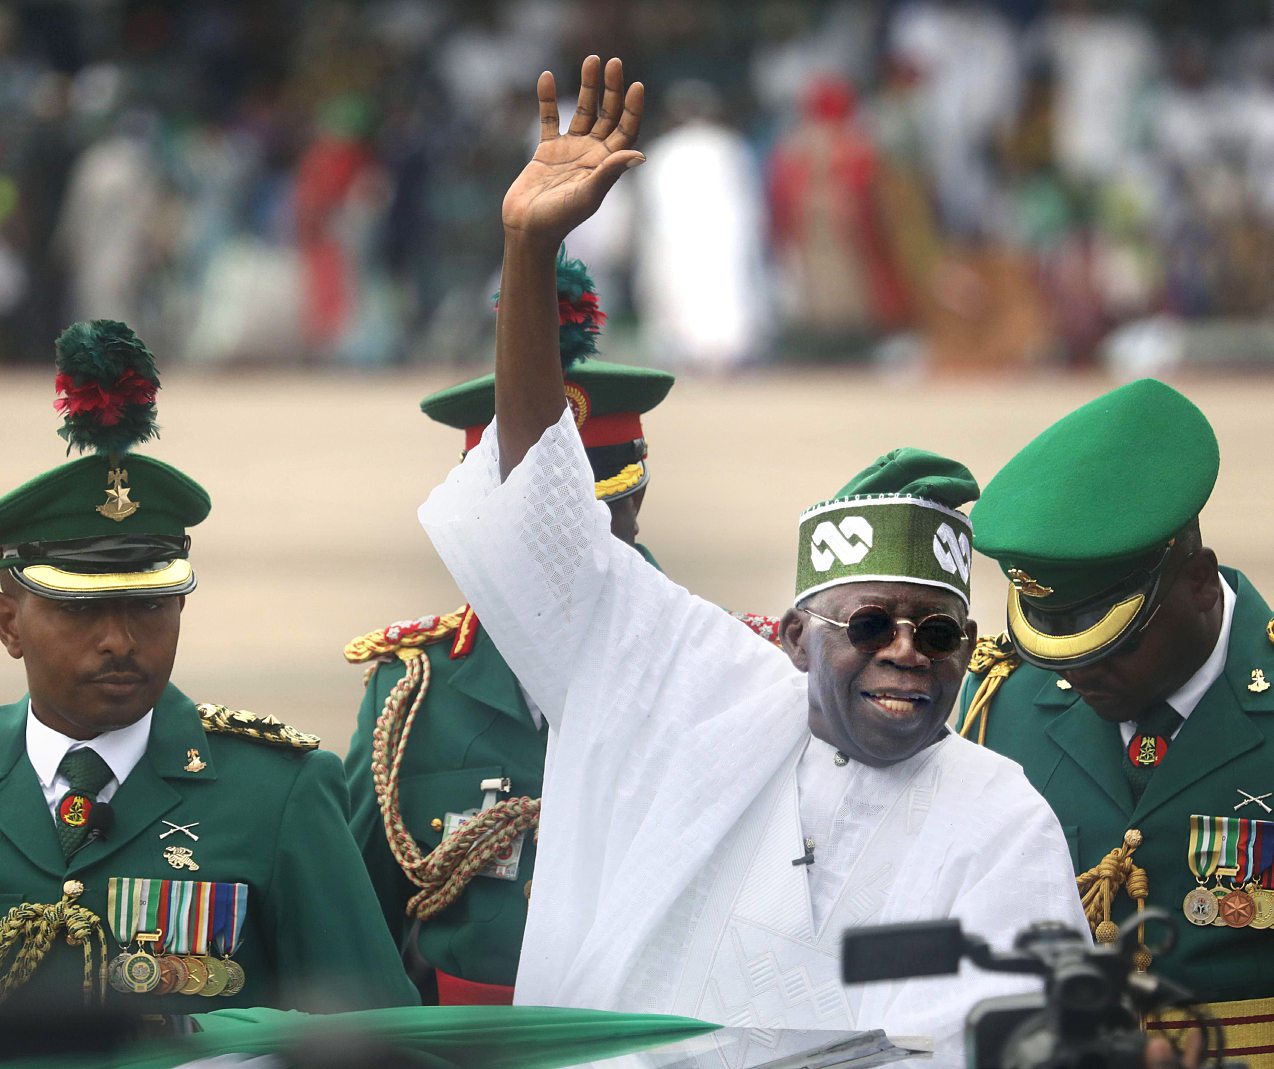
[[895, 521]]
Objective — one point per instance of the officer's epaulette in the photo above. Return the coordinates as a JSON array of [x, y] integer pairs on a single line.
[[765, 626], [994, 659], [406, 638], [218, 720]]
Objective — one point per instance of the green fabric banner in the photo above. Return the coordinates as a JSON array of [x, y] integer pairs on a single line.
[[443, 1037]]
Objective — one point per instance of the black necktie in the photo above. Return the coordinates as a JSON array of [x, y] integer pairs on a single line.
[[87, 774], [1149, 745]]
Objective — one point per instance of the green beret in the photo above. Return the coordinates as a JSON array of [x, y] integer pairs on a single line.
[[895, 520], [606, 400], [112, 524], [1080, 520]]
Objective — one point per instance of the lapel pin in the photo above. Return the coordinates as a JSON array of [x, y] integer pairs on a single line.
[[1062, 684], [1259, 684], [181, 857], [183, 828], [193, 763], [1248, 799]]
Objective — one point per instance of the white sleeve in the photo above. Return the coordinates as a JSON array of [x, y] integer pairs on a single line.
[[575, 612]]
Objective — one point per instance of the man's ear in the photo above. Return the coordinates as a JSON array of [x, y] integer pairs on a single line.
[[792, 632], [9, 626], [1204, 576]]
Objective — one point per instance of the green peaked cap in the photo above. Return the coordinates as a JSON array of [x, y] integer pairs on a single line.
[[607, 400], [1081, 518], [895, 521], [112, 524]]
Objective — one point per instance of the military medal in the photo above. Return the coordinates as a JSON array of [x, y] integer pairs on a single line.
[[1237, 909], [1200, 905], [1263, 900], [177, 925], [218, 977], [236, 976], [230, 908], [140, 972], [198, 970]]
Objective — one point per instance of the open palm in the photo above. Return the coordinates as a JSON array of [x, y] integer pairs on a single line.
[[570, 174]]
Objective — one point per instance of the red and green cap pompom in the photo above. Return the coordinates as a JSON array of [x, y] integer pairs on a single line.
[[579, 315], [106, 385]]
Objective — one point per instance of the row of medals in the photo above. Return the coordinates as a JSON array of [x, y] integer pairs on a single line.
[[141, 972], [1230, 907]]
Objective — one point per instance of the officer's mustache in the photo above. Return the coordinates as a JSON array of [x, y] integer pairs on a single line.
[[117, 667]]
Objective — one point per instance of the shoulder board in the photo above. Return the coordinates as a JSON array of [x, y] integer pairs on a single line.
[[993, 650], [218, 720], [765, 626], [406, 637]]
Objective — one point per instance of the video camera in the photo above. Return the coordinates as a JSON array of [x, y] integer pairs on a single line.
[[1087, 1016]]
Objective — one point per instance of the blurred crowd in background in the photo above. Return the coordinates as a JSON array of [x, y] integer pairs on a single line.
[[914, 183]]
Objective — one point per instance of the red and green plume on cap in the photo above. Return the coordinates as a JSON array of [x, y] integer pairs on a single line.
[[579, 315], [106, 385]]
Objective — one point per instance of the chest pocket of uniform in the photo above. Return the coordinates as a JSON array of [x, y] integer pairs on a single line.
[[425, 799], [1071, 831]]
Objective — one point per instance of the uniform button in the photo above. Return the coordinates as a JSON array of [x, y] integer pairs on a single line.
[[436, 824]]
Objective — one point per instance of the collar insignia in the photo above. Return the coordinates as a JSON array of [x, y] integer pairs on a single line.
[[1259, 684]]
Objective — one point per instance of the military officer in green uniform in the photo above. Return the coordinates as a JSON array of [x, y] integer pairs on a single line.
[[156, 855], [446, 764], [1134, 687]]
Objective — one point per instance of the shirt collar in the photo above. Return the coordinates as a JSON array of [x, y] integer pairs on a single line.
[[121, 749], [1194, 688]]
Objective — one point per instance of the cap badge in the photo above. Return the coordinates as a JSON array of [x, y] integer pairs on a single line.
[[1024, 584], [117, 505], [577, 398], [1259, 684]]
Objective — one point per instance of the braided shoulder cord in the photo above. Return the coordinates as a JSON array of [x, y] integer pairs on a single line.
[[389, 743], [462, 854], [445, 872], [27, 933], [1098, 886], [995, 660]]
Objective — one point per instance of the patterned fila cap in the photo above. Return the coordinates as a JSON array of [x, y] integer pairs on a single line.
[[895, 521]]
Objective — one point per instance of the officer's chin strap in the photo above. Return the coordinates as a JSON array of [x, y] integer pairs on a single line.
[[1098, 886], [27, 932]]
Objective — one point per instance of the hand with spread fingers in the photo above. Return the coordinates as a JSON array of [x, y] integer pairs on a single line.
[[571, 172]]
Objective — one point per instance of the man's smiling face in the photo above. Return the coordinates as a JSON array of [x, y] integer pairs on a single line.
[[878, 708]]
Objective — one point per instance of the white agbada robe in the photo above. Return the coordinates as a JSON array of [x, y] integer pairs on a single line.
[[681, 780]]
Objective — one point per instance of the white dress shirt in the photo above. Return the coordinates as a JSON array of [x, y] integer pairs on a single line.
[[121, 749], [1193, 689]]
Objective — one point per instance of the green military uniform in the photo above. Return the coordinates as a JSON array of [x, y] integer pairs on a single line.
[[221, 871], [1083, 521], [269, 812]]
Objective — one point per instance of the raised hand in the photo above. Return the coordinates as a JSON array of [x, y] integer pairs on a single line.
[[571, 173]]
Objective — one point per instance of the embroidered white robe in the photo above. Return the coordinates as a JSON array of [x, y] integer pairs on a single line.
[[671, 815]]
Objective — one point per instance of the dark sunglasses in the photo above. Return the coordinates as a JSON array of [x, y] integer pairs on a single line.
[[871, 628]]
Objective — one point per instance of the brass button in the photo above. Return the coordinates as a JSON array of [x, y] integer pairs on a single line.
[[436, 824]]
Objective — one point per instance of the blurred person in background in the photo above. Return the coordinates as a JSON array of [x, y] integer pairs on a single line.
[[700, 289], [839, 278]]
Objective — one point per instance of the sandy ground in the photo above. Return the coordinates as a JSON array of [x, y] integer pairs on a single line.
[[315, 479]]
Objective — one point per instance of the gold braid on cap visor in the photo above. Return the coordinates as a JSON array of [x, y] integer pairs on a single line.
[[627, 478], [1080, 644], [176, 573]]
